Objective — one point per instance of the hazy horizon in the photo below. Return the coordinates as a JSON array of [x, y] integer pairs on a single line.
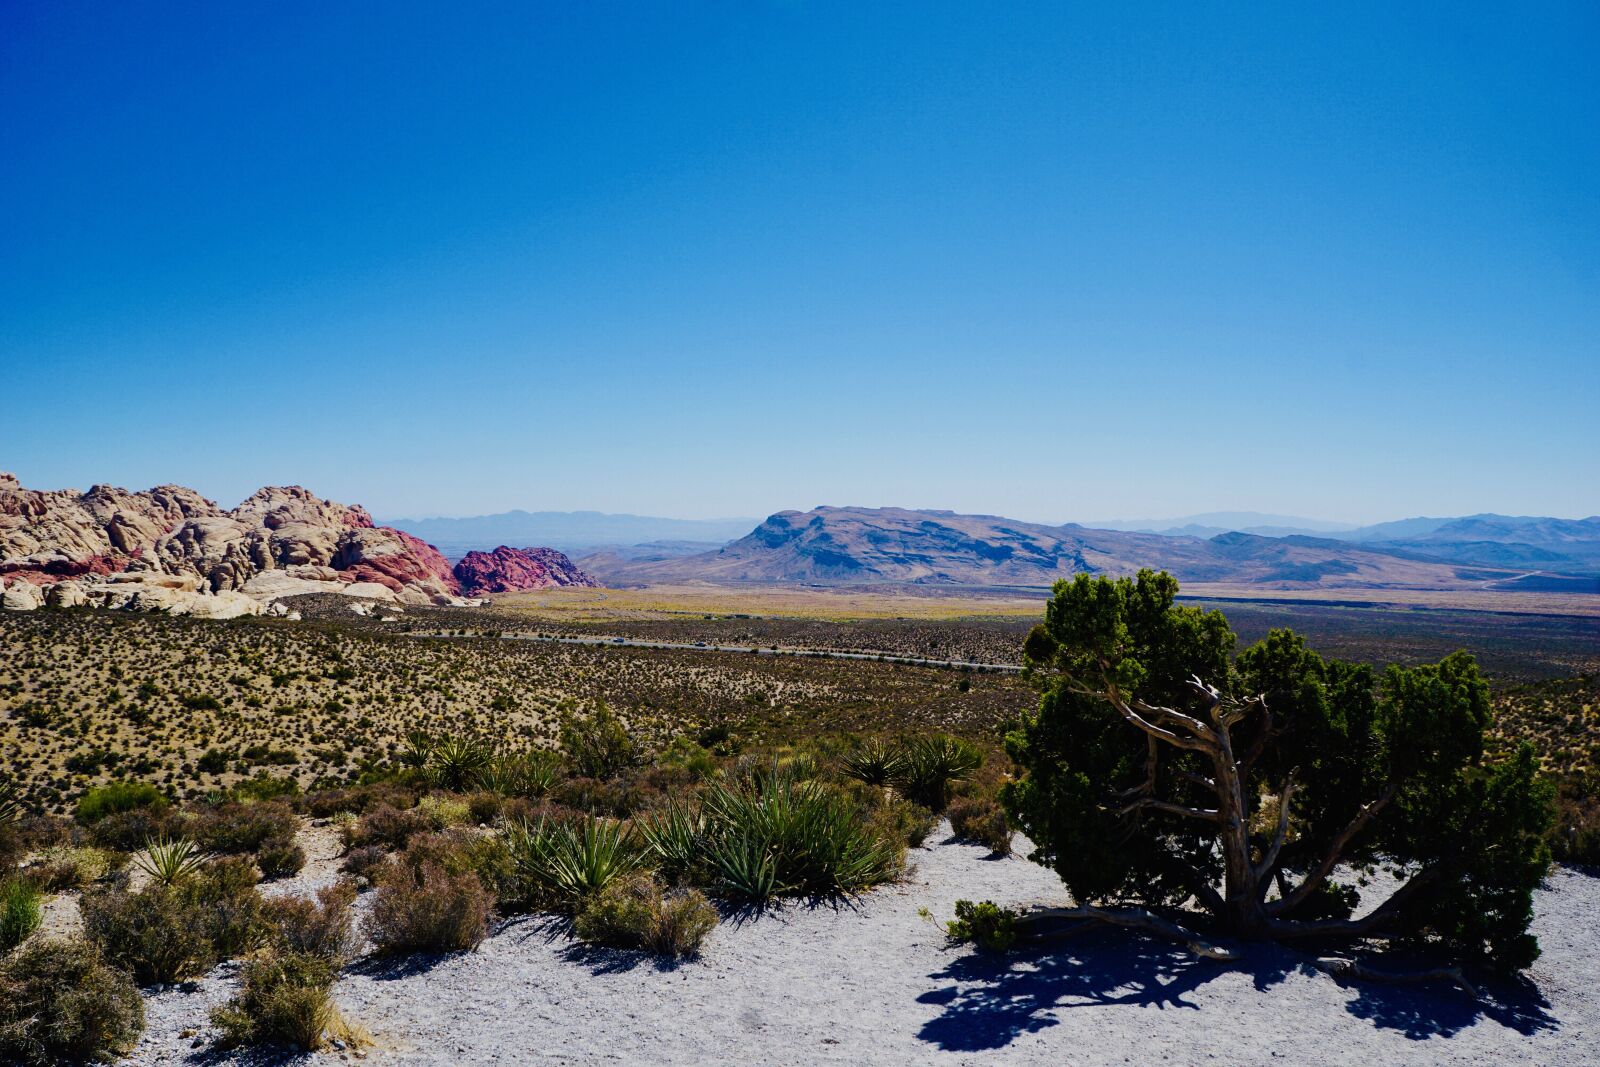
[[1031, 261]]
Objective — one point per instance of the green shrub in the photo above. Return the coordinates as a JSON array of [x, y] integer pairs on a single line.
[[520, 774], [685, 755], [284, 999], [987, 925], [597, 745], [117, 797], [456, 762], [440, 812], [20, 913], [62, 867], [428, 910], [981, 820], [898, 819], [280, 857], [61, 1003], [633, 912]]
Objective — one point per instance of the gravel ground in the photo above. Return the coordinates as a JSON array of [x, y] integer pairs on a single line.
[[873, 983]]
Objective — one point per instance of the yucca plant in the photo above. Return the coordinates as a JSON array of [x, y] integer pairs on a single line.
[[874, 761], [168, 862], [564, 863], [10, 807], [419, 748], [745, 866], [524, 774], [931, 765], [674, 836], [456, 762]]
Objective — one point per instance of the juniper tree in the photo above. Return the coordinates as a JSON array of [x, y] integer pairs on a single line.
[[1176, 786]]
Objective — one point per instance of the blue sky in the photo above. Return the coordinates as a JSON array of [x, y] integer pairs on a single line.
[[1049, 261]]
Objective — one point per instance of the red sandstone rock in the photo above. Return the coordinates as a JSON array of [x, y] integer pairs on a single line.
[[507, 570]]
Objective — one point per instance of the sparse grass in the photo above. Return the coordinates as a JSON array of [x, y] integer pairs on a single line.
[[20, 912]]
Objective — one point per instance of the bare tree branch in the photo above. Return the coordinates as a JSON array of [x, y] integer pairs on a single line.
[[1270, 859], [1330, 859], [1368, 925], [1209, 815], [1343, 969]]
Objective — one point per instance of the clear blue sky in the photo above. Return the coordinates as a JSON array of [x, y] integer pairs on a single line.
[[1050, 261]]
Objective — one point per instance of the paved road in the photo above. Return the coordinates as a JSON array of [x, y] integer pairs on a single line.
[[700, 646]]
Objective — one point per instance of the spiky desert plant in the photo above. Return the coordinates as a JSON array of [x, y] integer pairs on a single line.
[[874, 761], [456, 762], [169, 862], [566, 862], [419, 747], [931, 765], [674, 836], [10, 807]]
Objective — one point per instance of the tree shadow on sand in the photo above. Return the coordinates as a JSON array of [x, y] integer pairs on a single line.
[[988, 1001]]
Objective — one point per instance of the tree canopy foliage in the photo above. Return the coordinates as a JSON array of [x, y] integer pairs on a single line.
[[1163, 771]]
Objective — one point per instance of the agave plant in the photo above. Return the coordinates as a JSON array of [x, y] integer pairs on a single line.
[[525, 774], [456, 762], [169, 861]]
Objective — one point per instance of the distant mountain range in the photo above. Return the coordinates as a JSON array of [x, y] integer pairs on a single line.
[[830, 545], [566, 530], [1212, 523]]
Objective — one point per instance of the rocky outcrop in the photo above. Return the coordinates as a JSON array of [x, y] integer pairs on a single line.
[[170, 549], [507, 570]]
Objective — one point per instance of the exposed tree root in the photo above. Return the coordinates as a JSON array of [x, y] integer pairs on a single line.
[[1351, 970]]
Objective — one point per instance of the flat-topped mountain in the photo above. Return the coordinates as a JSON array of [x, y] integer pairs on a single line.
[[848, 545]]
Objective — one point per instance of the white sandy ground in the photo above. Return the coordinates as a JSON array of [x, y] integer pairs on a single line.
[[872, 982]]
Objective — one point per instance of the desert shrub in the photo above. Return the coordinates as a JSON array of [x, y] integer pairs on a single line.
[[365, 863], [387, 826], [20, 912], [60, 1002], [11, 847], [1575, 834], [284, 999], [614, 797], [929, 766], [117, 797], [152, 934], [632, 911], [280, 857], [987, 925], [597, 745], [127, 831], [442, 811], [167, 932], [981, 820], [64, 867], [562, 863], [460, 850], [898, 819], [427, 909], [693, 760], [358, 799], [321, 927], [483, 807], [265, 786], [236, 828]]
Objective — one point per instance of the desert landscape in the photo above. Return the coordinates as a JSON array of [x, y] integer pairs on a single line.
[[777, 534]]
